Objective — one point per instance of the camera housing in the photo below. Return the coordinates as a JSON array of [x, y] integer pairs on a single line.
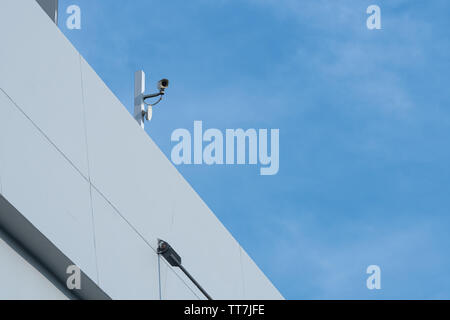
[[168, 253], [163, 84]]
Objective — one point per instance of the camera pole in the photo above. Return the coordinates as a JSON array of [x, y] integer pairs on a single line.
[[139, 89]]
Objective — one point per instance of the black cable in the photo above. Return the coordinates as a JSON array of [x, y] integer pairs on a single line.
[[195, 282], [160, 95], [154, 104]]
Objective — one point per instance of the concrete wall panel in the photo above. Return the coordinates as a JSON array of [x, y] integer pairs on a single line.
[[127, 265], [21, 280], [208, 250], [176, 286], [126, 165], [46, 188], [40, 71]]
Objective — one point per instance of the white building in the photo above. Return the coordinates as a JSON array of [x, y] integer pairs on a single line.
[[82, 184]]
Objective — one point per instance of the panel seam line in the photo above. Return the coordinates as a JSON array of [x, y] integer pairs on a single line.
[[88, 168]]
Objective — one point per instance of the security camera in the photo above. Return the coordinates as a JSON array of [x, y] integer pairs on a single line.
[[163, 84]]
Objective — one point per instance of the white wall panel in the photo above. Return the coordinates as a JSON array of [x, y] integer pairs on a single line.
[[40, 71], [21, 280], [45, 188], [126, 165], [176, 286], [208, 250], [127, 265]]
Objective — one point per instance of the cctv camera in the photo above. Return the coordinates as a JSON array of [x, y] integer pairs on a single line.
[[163, 84]]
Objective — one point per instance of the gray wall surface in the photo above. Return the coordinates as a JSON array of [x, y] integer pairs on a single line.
[[68, 151], [20, 279]]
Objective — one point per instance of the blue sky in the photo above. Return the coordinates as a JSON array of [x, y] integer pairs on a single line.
[[364, 119]]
